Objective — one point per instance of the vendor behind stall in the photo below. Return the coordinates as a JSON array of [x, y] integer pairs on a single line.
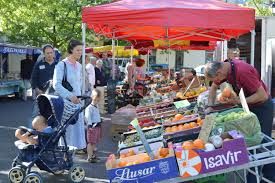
[[187, 76], [242, 75], [135, 76]]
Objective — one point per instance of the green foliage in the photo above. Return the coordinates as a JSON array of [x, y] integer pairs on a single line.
[[39, 22], [261, 6]]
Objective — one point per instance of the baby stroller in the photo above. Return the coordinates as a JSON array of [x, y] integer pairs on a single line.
[[48, 155]]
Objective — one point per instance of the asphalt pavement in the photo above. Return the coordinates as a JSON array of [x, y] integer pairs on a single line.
[[14, 113]]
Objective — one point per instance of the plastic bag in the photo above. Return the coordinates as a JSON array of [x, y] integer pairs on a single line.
[[248, 125]]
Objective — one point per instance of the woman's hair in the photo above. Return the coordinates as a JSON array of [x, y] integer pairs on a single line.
[[96, 93], [72, 44]]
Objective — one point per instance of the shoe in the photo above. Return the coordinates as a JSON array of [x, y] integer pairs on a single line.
[[80, 151], [93, 159]]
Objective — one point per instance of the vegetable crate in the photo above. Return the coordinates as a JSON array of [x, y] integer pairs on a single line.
[[195, 162]]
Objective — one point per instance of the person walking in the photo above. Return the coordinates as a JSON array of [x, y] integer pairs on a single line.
[[43, 70], [42, 75], [71, 70]]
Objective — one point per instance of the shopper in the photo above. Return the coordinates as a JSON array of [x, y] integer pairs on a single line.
[[26, 71], [72, 70], [92, 116], [43, 70], [90, 72], [100, 83], [42, 75], [242, 75]]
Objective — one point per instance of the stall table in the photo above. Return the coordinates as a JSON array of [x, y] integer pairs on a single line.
[[259, 155], [10, 87]]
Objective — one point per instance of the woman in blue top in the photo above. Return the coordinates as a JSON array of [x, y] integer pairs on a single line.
[[75, 134]]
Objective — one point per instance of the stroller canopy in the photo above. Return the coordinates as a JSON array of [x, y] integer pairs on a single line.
[[51, 107]]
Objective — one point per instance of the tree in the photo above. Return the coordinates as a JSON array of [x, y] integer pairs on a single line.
[[262, 7], [39, 22]]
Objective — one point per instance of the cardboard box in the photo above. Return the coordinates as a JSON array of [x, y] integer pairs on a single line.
[[195, 162], [148, 172]]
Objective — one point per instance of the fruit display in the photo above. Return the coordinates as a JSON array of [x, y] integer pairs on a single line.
[[179, 118], [131, 139], [226, 95], [230, 117], [183, 126], [130, 158], [144, 127], [165, 114], [191, 93], [154, 106], [215, 142]]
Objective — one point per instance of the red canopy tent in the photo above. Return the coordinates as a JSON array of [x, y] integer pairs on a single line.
[[204, 20]]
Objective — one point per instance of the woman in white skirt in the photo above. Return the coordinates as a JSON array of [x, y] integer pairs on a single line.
[[75, 134]]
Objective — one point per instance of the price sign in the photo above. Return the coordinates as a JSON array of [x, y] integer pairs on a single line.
[[207, 126], [182, 104], [143, 139]]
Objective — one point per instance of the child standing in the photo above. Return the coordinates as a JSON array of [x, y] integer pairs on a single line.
[[92, 117]]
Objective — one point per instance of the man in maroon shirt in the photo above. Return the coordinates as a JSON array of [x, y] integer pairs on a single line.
[[242, 75]]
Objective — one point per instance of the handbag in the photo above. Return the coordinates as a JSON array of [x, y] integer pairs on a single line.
[[65, 83]]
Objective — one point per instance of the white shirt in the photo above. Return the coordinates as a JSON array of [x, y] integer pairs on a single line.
[[92, 114], [90, 69]]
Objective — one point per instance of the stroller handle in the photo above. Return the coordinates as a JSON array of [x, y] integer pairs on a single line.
[[83, 97]]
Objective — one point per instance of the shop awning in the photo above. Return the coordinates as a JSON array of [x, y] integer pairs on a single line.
[[204, 20], [14, 49]]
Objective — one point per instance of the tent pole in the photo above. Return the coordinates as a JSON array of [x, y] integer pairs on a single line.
[[1, 67], [252, 56], [113, 58], [83, 56], [225, 50], [167, 37], [132, 54], [148, 58], [222, 51]]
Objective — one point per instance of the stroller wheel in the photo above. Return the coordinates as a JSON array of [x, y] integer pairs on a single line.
[[33, 177], [76, 174], [16, 174]]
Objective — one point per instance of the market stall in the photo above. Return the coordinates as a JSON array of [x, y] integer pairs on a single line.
[[165, 134], [11, 56]]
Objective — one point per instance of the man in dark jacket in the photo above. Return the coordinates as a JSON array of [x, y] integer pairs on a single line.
[[43, 70], [42, 74]]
